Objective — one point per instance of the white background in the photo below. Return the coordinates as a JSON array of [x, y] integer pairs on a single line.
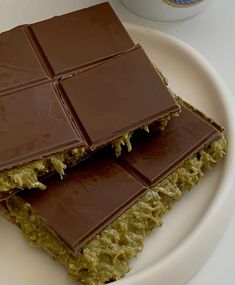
[[212, 33]]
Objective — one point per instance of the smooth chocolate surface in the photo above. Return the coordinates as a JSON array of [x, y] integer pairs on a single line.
[[122, 93], [37, 52], [82, 37], [159, 155], [42, 113], [19, 64], [86, 200], [101, 188], [32, 122]]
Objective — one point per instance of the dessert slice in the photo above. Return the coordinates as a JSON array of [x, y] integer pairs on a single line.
[[95, 220]]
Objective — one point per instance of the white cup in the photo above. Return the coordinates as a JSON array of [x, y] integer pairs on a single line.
[[166, 10]]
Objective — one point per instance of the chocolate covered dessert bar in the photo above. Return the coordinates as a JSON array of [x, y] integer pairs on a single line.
[[69, 86], [95, 220]]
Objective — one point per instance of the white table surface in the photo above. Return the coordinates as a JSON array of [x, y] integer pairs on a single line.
[[212, 34]]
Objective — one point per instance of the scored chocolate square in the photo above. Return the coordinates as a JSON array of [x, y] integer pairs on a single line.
[[99, 187], [154, 157], [82, 37], [118, 96], [19, 64], [32, 122]]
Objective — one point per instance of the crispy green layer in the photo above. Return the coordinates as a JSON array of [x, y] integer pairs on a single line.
[[125, 140], [106, 257], [28, 175]]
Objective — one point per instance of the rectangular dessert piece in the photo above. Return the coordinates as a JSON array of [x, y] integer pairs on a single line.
[[62, 93], [95, 220]]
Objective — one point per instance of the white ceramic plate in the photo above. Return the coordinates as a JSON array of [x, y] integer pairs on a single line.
[[190, 231]]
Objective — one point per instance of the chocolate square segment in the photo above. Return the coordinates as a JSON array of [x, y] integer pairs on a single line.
[[79, 38], [89, 198], [19, 64], [119, 95], [154, 157], [32, 123]]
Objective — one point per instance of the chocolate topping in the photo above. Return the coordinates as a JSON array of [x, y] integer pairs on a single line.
[[41, 113], [19, 64], [101, 188], [33, 122], [82, 37], [86, 200], [154, 157], [111, 99]]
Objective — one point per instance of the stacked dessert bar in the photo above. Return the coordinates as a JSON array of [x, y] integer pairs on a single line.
[[86, 117]]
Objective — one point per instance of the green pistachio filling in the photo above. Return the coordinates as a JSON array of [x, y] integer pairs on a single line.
[[125, 140], [28, 175], [106, 257]]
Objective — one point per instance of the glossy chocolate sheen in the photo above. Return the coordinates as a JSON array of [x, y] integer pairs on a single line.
[[42, 112], [122, 93], [101, 188], [82, 37], [34, 53], [19, 64], [32, 122], [86, 200], [156, 157]]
